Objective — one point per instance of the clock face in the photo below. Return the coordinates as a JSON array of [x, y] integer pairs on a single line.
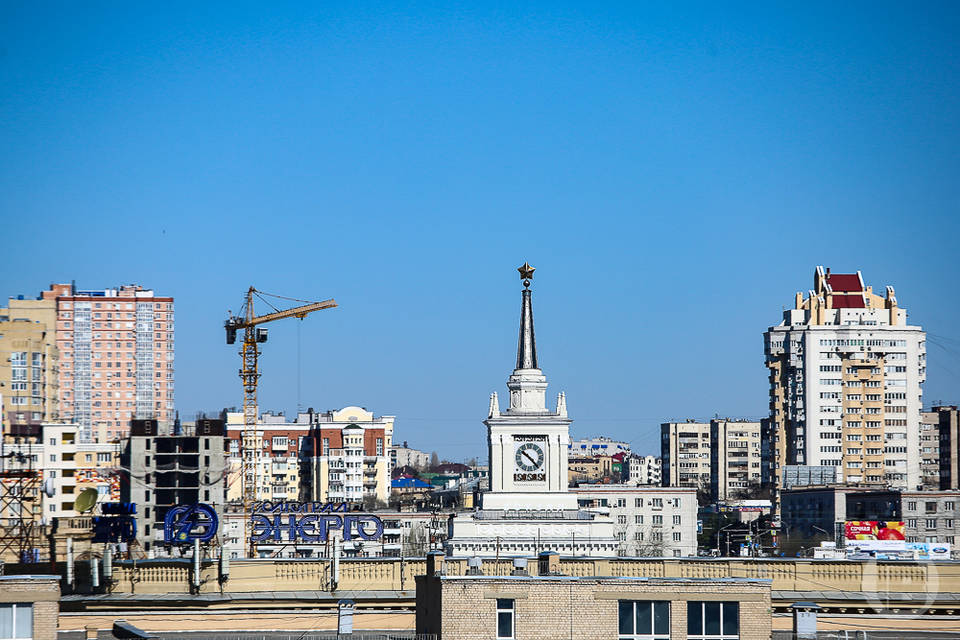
[[529, 457]]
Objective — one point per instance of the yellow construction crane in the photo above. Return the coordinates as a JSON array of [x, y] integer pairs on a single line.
[[250, 374]]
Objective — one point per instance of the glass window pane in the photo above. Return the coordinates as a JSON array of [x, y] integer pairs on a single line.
[[661, 617], [505, 624], [6, 620], [24, 621], [504, 603], [643, 617], [694, 618], [625, 609], [731, 618], [711, 618]]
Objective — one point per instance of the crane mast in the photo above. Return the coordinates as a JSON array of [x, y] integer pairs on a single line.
[[250, 376]]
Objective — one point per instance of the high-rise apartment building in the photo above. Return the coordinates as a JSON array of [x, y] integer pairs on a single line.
[[116, 357], [29, 361], [930, 450], [845, 383], [735, 458], [948, 430], [685, 454]]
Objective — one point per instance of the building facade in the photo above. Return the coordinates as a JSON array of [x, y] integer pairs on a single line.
[[599, 446], [404, 456], [558, 607], [275, 449], [648, 521], [930, 450], [116, 357], [735, 458], [642, 470], [685, 454], [29, 362], [166, 470], [846, 372], [346, 457], [948, 431]]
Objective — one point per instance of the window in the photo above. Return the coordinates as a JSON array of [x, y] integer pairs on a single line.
[[713, 620], [676, 519], [504, 618], [644, 619], [16, 620]]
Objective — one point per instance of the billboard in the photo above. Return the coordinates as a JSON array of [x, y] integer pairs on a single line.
[[874, 535], [930, 550]]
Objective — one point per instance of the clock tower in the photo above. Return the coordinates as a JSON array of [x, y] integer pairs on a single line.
[[528, 442]]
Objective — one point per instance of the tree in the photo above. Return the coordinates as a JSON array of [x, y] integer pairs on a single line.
[[434, 460], [372, 503]]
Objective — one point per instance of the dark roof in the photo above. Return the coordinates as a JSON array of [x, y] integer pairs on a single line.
[[852, 301], [844, 282]]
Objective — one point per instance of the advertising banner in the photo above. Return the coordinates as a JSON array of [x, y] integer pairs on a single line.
[[930, 550], [873, 535]]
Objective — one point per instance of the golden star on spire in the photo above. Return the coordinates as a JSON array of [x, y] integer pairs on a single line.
[[526, 271]]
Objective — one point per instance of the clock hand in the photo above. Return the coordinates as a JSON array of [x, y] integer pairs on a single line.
[[527, 456]]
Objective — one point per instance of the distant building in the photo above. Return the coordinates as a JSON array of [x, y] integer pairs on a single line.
[[589, 469], [346, 457], [642, 470], [29, 362], [948, 430], [169, 470], [931, 516], [275, 449], [116, 357], [648, 521], [29, 606], [735, 458], [685, 454], [597, 446], [814, 511], [404, 456], [846, 374], [930, 450]]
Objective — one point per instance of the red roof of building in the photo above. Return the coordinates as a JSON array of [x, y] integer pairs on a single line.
[[844, 282], [853, 301]]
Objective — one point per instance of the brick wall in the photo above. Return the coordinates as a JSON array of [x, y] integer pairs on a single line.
[[554, 608], [43, 592]]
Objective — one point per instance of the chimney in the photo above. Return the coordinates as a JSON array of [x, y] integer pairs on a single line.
[[435, 563]]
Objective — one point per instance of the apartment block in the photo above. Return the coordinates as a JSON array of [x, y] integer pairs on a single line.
[[642, 470], [735, 458], [685, 454], [404, 456], [53, 455], [931, 516], [346, 456], [171, 469], [845, 373], [948, 431], [116, 357], [930, 450], [599, 446], [648, 521], [275, 450], [29, 362]]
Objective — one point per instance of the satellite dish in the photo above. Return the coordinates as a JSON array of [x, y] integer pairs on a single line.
[[86, 500], [48, 489]]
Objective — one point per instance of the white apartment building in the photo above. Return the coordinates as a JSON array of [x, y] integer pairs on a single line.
[[403, 456], [845, 383], [648, 521], [642, 470]]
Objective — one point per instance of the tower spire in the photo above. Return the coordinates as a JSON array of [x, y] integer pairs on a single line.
[[527, 343]]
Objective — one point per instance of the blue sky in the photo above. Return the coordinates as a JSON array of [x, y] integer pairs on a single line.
[[675, 173]]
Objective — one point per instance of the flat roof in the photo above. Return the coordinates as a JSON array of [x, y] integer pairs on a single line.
[[655, 580]]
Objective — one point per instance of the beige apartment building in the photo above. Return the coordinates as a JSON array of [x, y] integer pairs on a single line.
[[735, 458], [685, 454], [845, 383], [29, 361]]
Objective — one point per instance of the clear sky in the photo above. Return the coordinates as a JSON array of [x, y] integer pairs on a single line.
[[674, 172]]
